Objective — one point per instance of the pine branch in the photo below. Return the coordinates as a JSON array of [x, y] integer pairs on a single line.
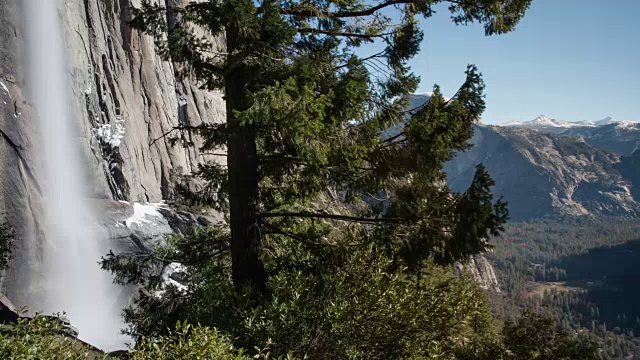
[[343, 14], [331, 217], [281, 158], [380, 54], [213, 154], [279, 231], [344, 34], [387, 140], [150, 255], [167, 133], [384, 145]]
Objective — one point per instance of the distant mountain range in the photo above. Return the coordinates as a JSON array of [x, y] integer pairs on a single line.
[[546, 124], [619, 136], [545, 166]]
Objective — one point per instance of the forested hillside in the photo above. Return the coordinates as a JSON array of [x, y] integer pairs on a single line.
[[582, 270]]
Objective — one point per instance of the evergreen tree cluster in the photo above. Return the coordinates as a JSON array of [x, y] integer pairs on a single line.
[[581, 271]]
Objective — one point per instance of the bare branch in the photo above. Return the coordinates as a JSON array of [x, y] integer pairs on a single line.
[[213, 153], [391, 138], [165, 134]]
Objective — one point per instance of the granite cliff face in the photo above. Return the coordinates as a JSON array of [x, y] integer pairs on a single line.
[[126, 101], [545, 166], [541, 174], [20, 172], [622, 138], [482, 271]]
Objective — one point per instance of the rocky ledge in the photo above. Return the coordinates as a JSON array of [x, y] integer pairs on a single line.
[[136, 226]]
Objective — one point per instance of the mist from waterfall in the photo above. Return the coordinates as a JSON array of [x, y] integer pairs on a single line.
[[70, 279]]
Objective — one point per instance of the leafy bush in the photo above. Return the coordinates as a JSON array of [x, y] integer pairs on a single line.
[[189, 342], [463, 336], [44, 338], [41, 338]]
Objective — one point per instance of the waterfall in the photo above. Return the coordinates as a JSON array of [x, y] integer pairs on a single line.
[[70, 278]]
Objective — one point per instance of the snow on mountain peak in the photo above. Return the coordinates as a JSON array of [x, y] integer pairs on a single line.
[[544, 122], [541, 121], [606, 121]]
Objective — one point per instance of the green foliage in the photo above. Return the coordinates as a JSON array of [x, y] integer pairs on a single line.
[[308, 115], [41, 338], [338, 301], [452, 324], [340, 225], [45, 338], [538, 337], [190, 342], [308, 120]]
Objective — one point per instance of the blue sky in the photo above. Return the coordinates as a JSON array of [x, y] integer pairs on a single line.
[[568, 59]]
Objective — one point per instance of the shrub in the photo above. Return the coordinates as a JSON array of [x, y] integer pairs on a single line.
[[41, 338]]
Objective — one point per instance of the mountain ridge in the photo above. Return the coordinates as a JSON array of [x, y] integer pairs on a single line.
[[541, 174], [549, 125], [549, 167]]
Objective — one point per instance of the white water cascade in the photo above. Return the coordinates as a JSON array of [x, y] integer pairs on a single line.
[[70, 277]]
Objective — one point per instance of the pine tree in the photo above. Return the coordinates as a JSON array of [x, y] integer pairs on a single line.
[[307, 114], [334, 191]]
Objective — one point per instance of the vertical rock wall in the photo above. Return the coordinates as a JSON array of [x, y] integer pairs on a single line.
[[20, 180], [126, 102]]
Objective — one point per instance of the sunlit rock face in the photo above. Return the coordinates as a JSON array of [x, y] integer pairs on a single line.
[[541, 174], [128, 102], [122, 103], [21, 177], [482, 271], [549, 167]]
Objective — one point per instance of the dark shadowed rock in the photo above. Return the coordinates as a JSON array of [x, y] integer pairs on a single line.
[[137, 226]]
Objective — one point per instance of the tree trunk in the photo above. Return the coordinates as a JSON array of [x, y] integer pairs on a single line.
[[246, 241]]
